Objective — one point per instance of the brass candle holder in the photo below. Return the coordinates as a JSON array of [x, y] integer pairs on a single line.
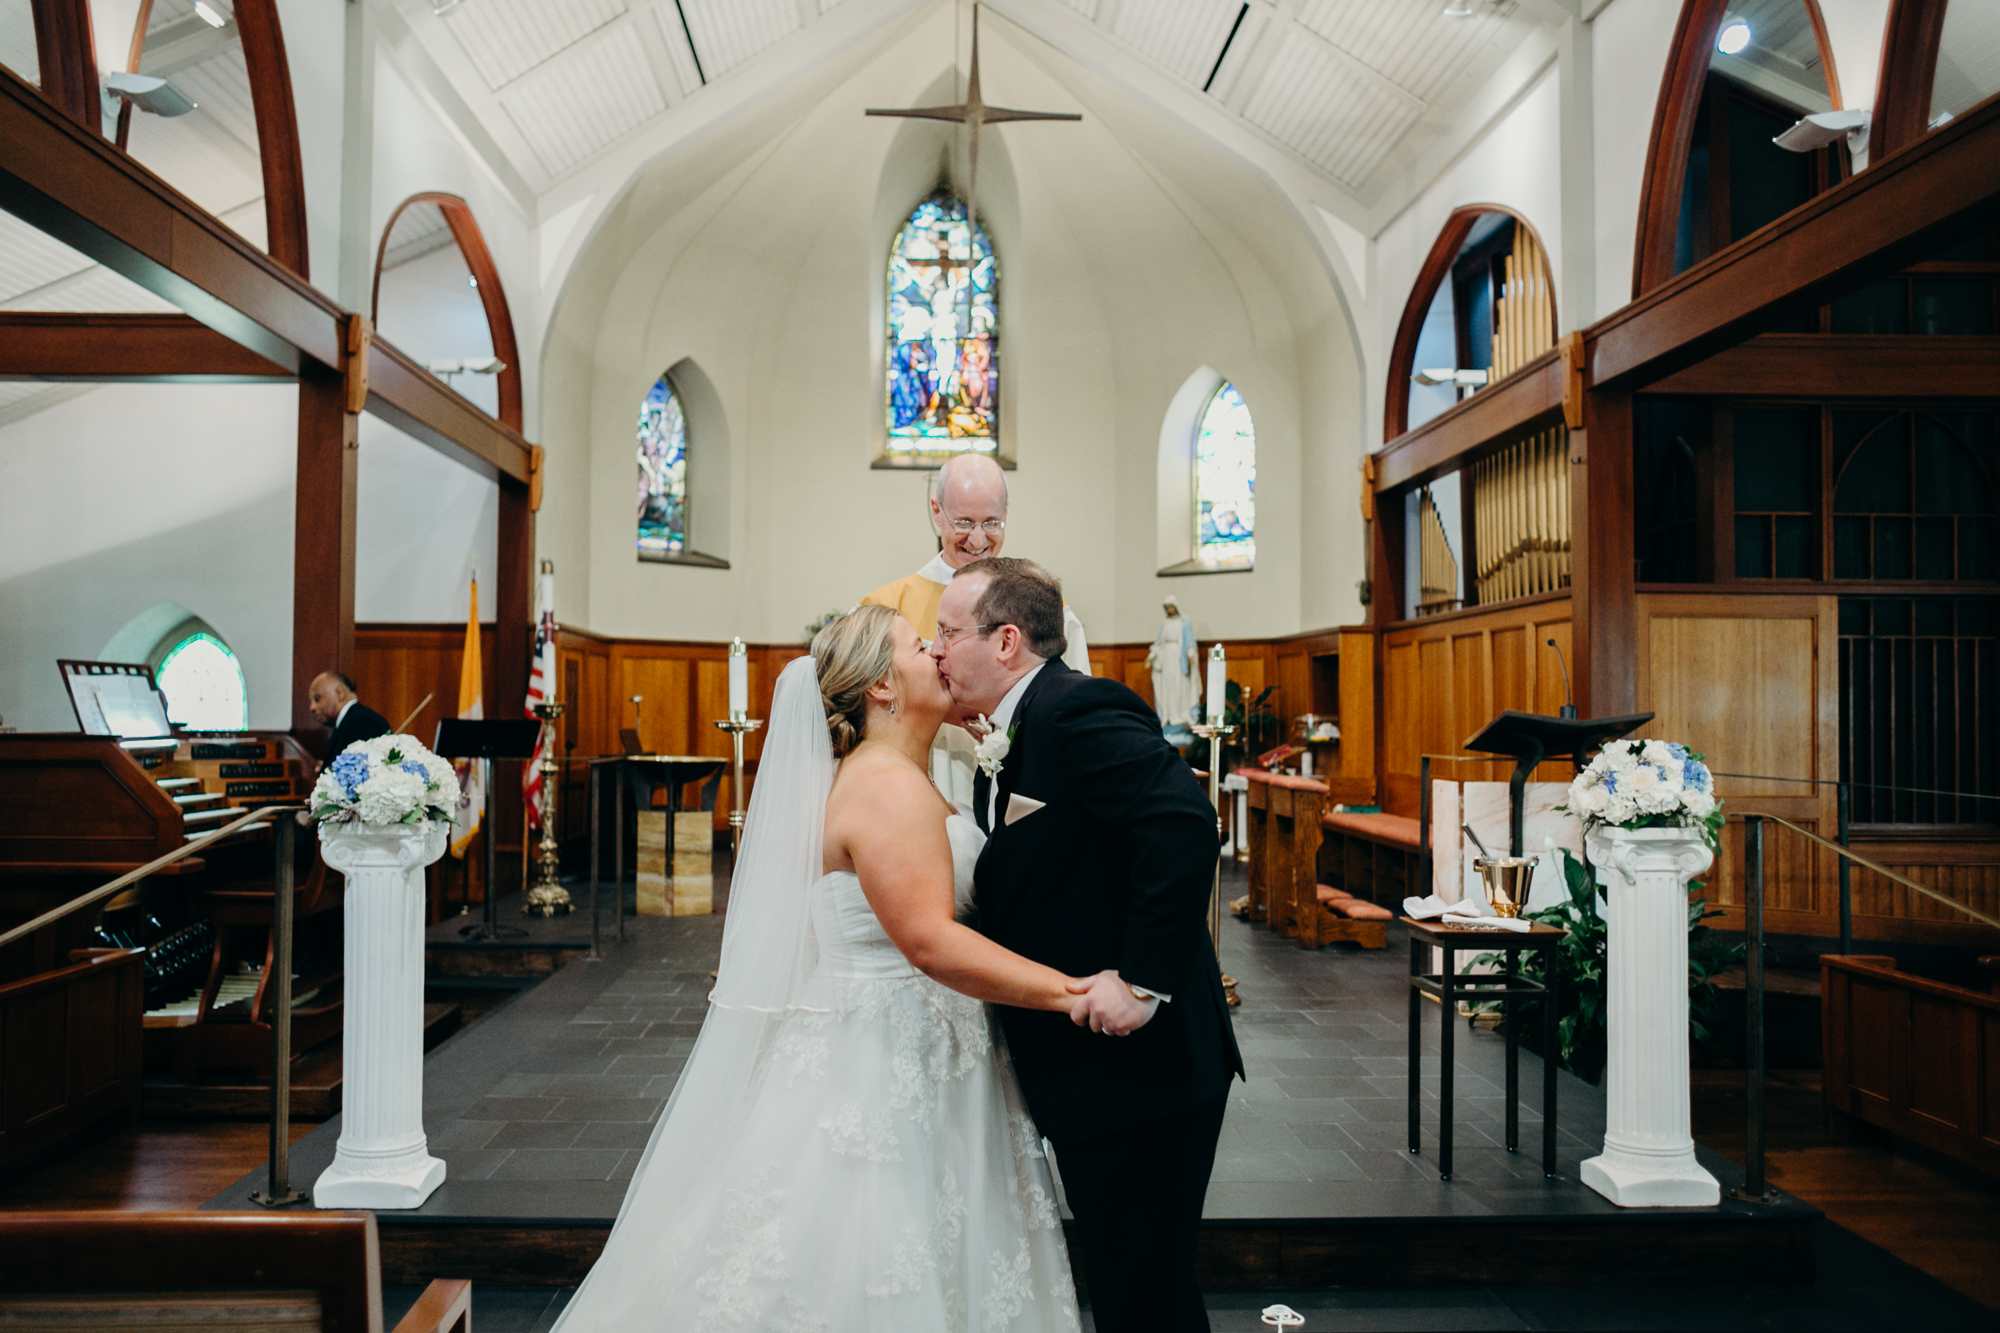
[[1214, 736], [546, 896], [738, 725]]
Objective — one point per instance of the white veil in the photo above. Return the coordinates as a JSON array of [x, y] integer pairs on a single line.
[[768, 953]]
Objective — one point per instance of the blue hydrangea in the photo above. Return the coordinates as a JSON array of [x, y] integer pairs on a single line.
[[412, 766], [1611, 783], [1694, 775], [351, 770]]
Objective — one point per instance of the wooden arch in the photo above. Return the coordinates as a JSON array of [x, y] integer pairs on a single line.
[[1674, 116], [1436, 268], [1910, 40], [499, 320], [67, 52]]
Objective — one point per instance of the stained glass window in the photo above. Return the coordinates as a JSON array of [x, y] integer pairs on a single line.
[[1225, 481], [662, 474], [943, 391], [203, 683]]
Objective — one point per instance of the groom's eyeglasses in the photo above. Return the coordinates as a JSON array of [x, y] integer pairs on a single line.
[[946, 634], [992, 527]]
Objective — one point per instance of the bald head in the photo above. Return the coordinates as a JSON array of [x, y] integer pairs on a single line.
[[970, 511], [328, 694]]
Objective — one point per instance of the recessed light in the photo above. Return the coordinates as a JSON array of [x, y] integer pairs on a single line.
[[209, 16], [1458, 9], [471, 281], [1733, 38]]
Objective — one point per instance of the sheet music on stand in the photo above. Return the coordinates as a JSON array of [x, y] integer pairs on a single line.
[[115, 699]]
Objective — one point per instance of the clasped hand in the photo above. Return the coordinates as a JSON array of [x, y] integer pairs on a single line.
[[1106, 1004]]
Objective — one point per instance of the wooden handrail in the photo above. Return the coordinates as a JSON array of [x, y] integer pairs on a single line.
[[1859, 860], [153, 866]]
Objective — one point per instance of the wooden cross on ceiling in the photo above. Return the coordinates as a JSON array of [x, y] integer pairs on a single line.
[[973, 113]]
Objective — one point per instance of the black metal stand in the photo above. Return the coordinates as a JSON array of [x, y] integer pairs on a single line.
[[489, 927], [1529, 738], [1449, 986]]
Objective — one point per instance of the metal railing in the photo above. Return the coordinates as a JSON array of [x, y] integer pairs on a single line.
[[1755, 1189]]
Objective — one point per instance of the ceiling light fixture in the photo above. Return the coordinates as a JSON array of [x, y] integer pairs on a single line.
[[1824, 127], [471, 365], [1734, 37], [1464, 379], [1458, 9], [208, 15], [149, 93]]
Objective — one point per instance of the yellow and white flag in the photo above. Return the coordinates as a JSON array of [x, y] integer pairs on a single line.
[[471, 704]]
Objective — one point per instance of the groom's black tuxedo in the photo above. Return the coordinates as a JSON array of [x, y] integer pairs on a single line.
[[1114, 871]]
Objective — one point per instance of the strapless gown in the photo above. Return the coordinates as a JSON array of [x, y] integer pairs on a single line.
[[887, 1176]]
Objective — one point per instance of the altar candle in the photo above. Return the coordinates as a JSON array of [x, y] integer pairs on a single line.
[[1218, 686], [739, 679]]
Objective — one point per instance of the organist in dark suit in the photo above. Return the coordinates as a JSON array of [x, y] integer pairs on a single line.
[[332, 700]]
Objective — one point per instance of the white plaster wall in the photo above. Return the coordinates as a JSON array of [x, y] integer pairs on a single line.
[[1137, 257], [1516, 162], [425, 525], [429, 308], [1631, 40], [315, 46], [136, 494]]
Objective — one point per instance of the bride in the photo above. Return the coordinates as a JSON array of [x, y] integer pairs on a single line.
[[847, 1148]]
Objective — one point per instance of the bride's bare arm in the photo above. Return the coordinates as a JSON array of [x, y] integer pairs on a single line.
[[887, 827]]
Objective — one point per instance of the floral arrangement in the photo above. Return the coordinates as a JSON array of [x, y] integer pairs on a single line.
[[1646, 784], [386, 781], [993, 744]]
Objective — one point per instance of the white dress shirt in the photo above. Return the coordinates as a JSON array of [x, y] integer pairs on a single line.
[[343, 711]]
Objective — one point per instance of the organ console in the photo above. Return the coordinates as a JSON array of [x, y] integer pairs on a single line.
[[77, 810]]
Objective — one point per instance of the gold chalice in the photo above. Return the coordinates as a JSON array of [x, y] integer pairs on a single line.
[[1508, 880]]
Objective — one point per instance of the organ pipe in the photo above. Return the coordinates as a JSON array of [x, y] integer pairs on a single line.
[[1520, 527]]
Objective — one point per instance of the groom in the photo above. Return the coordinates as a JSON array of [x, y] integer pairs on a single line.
[[1099, 862]]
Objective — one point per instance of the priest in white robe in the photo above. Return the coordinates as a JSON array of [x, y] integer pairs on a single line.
[[969, 513]]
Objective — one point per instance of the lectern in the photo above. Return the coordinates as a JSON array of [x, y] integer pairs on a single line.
[[488, 739], [1529, 738]]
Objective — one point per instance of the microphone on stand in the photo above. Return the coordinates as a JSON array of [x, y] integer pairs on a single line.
[[1568, 709]]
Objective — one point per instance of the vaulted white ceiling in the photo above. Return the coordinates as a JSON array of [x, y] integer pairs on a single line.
[[1340, 84]]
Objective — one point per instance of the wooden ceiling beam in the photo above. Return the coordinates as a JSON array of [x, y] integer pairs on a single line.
[[1527, 401], [79, 188], [160, 349], [1868, 227], [1807, 365]]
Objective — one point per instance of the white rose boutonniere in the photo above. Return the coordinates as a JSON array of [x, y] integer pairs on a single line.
[[991, 751]]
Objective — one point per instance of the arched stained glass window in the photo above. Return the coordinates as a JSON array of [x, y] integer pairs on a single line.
[[943, 389], [1225, 481], [663, 474], [203, 683]]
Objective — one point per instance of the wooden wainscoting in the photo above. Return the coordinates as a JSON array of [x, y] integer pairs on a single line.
[[1445, 677], [1750, 681], [1956, 862]]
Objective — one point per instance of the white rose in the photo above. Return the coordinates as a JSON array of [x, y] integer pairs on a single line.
[[1640, 780], [1698, 803], [328, 791], [1591, 801], [1661, 753], [991, 751], [389, 795], [1618, 757]]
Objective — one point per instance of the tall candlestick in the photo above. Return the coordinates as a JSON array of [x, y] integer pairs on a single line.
[[1218, 686], [739, 679]]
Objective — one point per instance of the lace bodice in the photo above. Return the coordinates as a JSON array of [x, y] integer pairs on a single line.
[[852, 942]]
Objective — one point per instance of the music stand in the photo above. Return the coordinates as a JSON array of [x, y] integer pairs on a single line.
[[1529, 738], [489, 739]]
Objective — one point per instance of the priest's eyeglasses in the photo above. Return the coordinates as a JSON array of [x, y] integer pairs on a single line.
[[947, 633], [992, 527]]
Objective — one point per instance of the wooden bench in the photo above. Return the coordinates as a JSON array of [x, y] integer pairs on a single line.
[[314, 1272], [1284, 837], [1373, 857]]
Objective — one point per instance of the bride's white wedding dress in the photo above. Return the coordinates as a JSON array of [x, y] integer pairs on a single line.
[[878, 1172]]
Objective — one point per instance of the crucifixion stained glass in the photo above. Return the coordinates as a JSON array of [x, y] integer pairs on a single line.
[[943, 366], [662, 474]]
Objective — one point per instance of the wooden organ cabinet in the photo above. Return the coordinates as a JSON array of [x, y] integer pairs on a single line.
[[78, 810]]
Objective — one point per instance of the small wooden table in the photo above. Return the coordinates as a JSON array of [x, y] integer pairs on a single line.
[[1506, 986]]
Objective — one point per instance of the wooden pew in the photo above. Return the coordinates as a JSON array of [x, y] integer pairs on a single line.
[[1284, 841], [1377, 858], [214, 1271], [69, 1048]]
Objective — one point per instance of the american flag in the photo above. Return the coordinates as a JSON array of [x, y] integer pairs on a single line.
[[541, 688]]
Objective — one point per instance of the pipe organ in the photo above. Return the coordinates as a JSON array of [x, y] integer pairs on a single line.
[[1524, 308], [1437, 586], [1520, 518]]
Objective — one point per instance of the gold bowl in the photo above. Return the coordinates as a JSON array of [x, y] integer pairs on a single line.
[[1508, 882]]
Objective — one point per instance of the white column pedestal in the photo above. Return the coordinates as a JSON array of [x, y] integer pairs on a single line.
[[1648, 1159], [382, 1160]]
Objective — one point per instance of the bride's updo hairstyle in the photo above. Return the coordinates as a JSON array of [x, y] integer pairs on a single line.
[[850, 656]]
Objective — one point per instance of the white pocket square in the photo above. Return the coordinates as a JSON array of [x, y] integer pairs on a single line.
[[1020, 807]]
